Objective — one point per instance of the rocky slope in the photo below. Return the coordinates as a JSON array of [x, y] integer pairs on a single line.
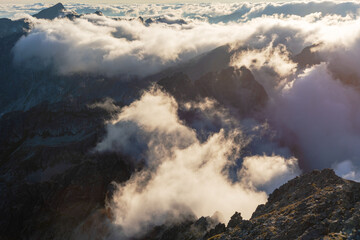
[[316, 205], [50, 180]]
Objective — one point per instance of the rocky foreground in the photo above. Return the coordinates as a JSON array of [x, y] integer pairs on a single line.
[[316, 205]]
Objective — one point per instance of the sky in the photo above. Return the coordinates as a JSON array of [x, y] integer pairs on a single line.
[[130, 1]]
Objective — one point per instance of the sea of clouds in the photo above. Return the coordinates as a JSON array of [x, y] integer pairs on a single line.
[[313, 111]]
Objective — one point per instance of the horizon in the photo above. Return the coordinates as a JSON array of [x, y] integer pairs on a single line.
[[149, 2]]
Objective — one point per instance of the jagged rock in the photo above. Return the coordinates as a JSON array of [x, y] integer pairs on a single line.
[[307, 57], [99, 13], [149, 21], [190, 229], [9, 27], [235, 220], [316, 205], [231, 87], [220, 228]]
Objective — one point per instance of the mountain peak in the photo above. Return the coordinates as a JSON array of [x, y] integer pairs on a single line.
[[59, 6], [51, 12]]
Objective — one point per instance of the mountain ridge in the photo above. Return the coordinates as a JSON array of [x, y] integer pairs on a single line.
[[51, 181], [314, 205]]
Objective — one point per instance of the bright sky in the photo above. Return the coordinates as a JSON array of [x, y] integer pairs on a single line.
[[130, 1]]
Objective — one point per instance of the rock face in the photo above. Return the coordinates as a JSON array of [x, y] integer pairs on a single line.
[[236, 88], [316, 205], [307, 57], [50, 181]]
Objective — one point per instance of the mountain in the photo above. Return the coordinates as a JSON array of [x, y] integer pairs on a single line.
[[236, 88], [51, 181], [214, 60], [307, 57], [51, 12], [316, 205]]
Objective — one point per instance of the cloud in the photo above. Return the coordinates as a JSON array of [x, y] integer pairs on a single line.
[[305, 8], [164, 129], [106, 46], [100, 45], [211, 12], [347, 170], [184, 176], [265, 40], [107, 104], [321, 116], [188, 164], [268, 172], [110, 46], [16, 11], [276, 58], [207, 117]]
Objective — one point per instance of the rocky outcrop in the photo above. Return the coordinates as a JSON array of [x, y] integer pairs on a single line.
[[316, 205], [9, 27], [308, 57]]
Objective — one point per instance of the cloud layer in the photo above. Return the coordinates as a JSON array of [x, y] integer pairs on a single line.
[[100, 45], [323, 114], [184, 176], [109, 46], [213, 12]]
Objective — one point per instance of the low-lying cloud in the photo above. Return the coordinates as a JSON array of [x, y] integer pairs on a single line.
[[212, 12], [320, 115], [100, 45], [183, 175], [110, 46]]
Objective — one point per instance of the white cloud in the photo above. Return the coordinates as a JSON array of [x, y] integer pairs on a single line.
[[211, 11], [274, 57], [97, 44], [346, 169], [321, 116], [268, 172], [107, 104], [184, 175], [101, 45]]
